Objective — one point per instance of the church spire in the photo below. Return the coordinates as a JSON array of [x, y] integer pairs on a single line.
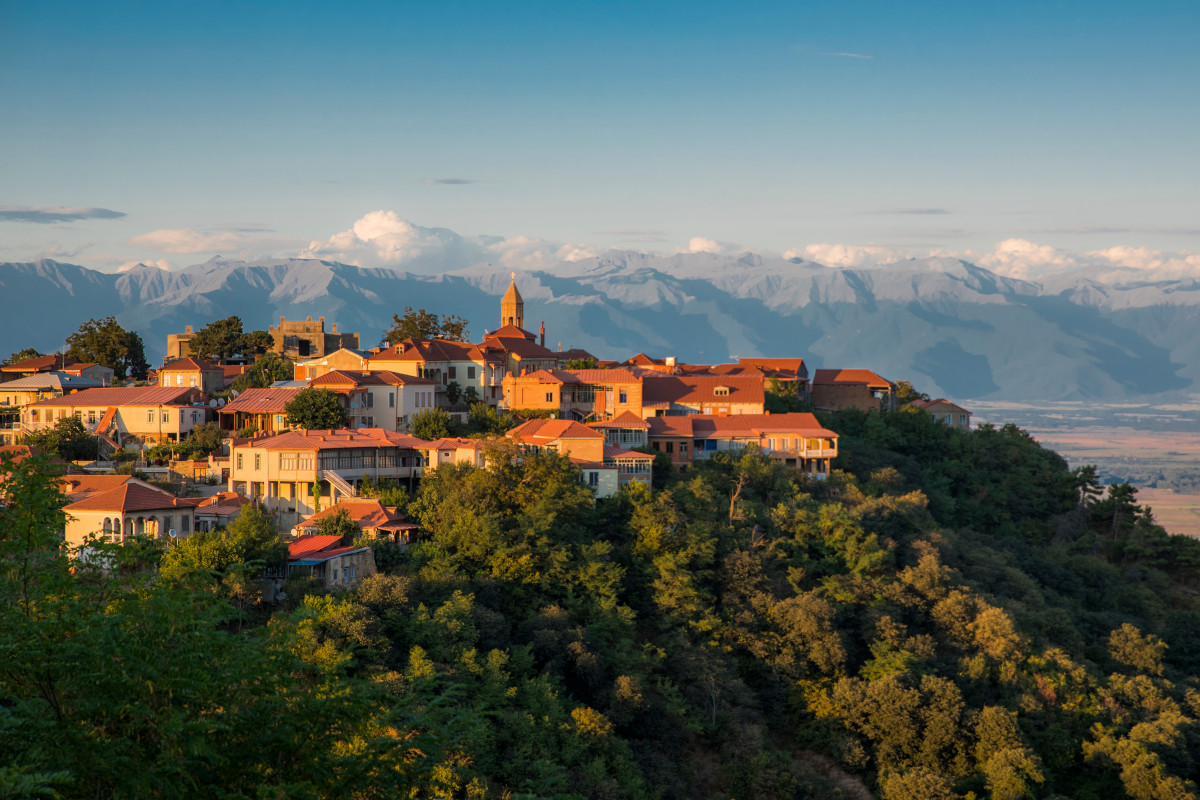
[[512, 307]]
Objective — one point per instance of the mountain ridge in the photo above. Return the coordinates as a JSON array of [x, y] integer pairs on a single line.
[[951, 326]]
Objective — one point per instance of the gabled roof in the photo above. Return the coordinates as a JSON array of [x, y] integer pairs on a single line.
[[573, 354], [190, 365], [643, 360], [519, 346], [509, 332], [308, 545], [337, 377], [222, 504], [325, 358], [40, 364], [340, 439], [795, 365], [425, 350], [364, 512], [451, 443], [626, 419], [52, 380], [78, 487], [611, 451], [125, 396], [667, 389], [547, 430], [734, 426], [129, 497], [260, 401], [849, 377], [926, 404]]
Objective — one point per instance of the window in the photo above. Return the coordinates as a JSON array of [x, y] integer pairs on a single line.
[[721, 391], [179, 380], [770, 444], [335, 573], [279, 420], [391, 399], [624, 395], [370, 400], [593, 479], [33, 415], [166, 416], [193, 381], [92, 417], [239, 460], [470, 373], [287, 461], [150, 417], [453, 372], [185, 523], [195, 417], [549, 397], [311, 372], [168, 524], [654, 445], [257, 461], [670, 447], [683, 448], [962, 419]]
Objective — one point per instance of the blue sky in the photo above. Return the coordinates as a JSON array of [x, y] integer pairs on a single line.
[[904, 127]]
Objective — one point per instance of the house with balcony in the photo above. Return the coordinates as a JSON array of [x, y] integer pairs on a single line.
[[260, 409], [56, 362], [296, 474], [15, 395], [376, 520], [605, 467], [718, 395], [444, 362], [380, 398], [128, 510], [124, 414], [796, 439], [577, 394], [626, 430], [839, 389]]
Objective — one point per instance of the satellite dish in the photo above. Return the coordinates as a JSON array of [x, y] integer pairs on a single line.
[[212, 403], [233, 392], [220, 402], [172, 533]]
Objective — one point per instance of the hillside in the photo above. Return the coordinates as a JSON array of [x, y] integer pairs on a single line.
[[956, 615], [949, 325]]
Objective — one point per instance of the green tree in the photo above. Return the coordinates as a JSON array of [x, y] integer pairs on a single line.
[[315, 409], [219, 340], [661, 470], [906, 393], [780, 397], [580, 363], [484, 418], [250, 540], [431, 423], [257, 343], [453, 392], [68, 439], [24, 355], [266, 370], [339, 524], [105, 342], [421, 324]]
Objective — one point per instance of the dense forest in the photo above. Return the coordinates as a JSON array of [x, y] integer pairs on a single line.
[[953, 614]]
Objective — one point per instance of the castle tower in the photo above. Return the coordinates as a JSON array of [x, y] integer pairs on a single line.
[[512, 307]]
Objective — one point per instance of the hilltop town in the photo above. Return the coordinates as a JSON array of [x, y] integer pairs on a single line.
[[226, 410]]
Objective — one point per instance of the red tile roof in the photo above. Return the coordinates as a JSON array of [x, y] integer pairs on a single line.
[[190, 365], [611, 451], [110, 396], [709, 426], [795, 365], [862, 377], [510, 332], [451, 443], [77, 487], [522, 347], [307, 545], [338, 439], [927, 403], [425, 350], [546, 430], [365, 512], [40, 364], [260, 401], [626, 419], [667, 389], [129, 497]]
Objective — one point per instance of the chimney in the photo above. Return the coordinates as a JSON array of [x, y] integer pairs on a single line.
[[281, 322], [308, 318], [334, 326], [187, 328], [322, 320], [669, 361], [543, 342]]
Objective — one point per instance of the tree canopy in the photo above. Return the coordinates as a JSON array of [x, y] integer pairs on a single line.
[[315, 409], [24, 355], [266, 370], [431, 424], [223, 339], [421, 324], [68, 439], [105, 342]]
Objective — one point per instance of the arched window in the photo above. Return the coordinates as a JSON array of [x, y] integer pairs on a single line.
[[108, 523], [141, 526]]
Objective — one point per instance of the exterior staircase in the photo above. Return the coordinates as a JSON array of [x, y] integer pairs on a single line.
[[340, 483]]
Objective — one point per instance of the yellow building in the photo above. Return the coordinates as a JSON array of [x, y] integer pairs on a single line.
[[125, 414], [132, 509]]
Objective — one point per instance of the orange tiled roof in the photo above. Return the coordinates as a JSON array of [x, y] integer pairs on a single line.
[[626, 419], [338, 440], [308, 545], [705, 426], [40, 364], [129, 497], [525, 348], [425, 350], [77, 487], [611, 451], [261, 401], [364, 512], [509, 332], [190, 365], [451, 443], [830, 377], [550, 429], [928, 403], [667, 389], [125, 396]]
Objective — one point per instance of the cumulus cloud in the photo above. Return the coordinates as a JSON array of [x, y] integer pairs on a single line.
[[46, 215], [385, 239], [1143, 258], [847, 255], [527, 252], [702, 244], [181, 241], [1021, 258]]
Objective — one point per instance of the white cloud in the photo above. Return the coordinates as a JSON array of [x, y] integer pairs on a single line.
[[702, 244], [184, 241], [1143, 258], [847, 255], [1021, 258], [385, 239]]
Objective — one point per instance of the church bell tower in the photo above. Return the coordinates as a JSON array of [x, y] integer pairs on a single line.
[[512, 307]]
